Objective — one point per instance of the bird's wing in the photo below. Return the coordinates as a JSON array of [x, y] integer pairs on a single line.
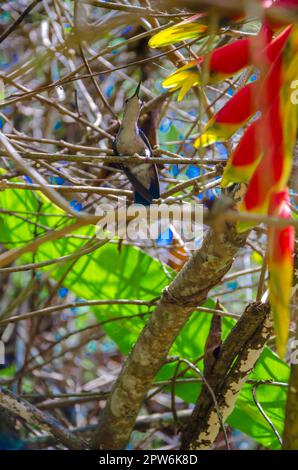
[[154, 187], [114, 147], [138, 186], [153, 191], [145, 139], [115, 165]]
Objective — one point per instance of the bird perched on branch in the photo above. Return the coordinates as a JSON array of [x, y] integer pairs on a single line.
[[131, 140]]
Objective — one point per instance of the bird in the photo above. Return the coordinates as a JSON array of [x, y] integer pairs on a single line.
[[131, 140]]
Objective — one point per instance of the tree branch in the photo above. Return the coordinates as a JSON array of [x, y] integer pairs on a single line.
[[190, 288], [236, 360], [33, 416], [19, 20]]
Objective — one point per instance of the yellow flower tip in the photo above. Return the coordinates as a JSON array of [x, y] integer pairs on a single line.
[[227, 178], [205, 139], [226, 181], [281, 349], [186, 86], [233, 175], [171, 81], [162, 39], [155, 41], [280, 282], [177, 33], [173, 87], [184, 81], [281, 327], [242, 227], [202, 28]]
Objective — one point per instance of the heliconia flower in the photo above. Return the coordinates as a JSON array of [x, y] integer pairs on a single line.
[[285, 3], [280, 248], [275, 164], [194, 26], [277, 21], [185, 78], [278, 135], [223, 62], [233, 115], [197, 25], [275, 46], [187, 29], [243, 161], [262, 149], [227, 61]]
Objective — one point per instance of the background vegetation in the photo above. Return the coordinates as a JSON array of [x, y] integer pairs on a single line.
[[72, 306]]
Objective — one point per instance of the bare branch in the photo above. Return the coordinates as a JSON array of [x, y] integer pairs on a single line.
[[33, 416], [236, 360], [190, 288]]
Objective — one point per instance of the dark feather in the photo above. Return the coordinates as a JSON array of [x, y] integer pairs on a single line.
[[154, 186], [114, 147], [145, 139], [142, 195]]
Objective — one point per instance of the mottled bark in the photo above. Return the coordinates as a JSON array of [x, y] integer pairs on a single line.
[[236, 360], [33, 416], [189, 289], [9, 435]]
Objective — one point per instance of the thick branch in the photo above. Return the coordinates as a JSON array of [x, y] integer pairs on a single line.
[[33, 416], [236, 360], [190, 288]]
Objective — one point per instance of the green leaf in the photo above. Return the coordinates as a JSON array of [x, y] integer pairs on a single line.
[[246, 417], [271, 397], [8, 372], [132, 274]]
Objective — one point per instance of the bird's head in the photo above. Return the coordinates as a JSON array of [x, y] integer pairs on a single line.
[[133, 105]]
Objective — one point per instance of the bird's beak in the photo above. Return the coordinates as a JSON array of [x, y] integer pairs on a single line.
[[136, 93]]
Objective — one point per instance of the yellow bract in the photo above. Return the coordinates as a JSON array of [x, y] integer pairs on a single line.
[[234, 174], [280, 284], [184, 78], [238, 174], [179, 32], [215, 132]]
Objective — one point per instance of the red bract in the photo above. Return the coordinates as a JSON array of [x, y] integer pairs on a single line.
[[231, 58], [240, 107], [280, 262], [238, 110], [263, 156], [245, 157], [275, 20], [275, 161], [270, 138]]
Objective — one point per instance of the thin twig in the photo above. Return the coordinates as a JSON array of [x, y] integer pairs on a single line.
[[19, 20], [261, 410]]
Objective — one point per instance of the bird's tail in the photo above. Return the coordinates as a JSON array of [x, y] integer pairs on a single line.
[[139, 199]]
